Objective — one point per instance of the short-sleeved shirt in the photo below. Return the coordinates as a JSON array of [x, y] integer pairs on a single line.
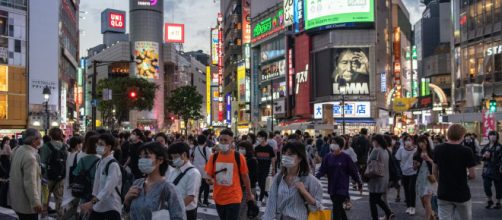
[[227, 186], [188, 185], [264, 155], [452, 161]]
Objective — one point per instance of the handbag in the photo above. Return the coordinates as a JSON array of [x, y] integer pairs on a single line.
[[320, 215], [375, 168]]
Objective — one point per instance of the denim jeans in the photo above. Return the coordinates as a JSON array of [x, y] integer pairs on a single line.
[[447, 210]]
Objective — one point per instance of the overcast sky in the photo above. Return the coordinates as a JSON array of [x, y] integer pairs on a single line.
[[197, 15]]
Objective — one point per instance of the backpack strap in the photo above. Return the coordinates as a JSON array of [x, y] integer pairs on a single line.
[[75, 160], [90, 167], [181, 175], [105, 172]]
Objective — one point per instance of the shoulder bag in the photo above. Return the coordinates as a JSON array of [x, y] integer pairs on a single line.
[[375, 168]]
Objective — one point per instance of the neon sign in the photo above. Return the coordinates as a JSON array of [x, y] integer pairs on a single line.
[[147, 3], [268, 26]]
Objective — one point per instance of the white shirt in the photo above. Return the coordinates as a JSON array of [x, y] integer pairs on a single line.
[[349, 151], [406, 160], [188, 185], [199, 161], [104, 186], [273, 144]]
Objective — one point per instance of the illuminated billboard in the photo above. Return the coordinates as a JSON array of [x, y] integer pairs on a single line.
[[113, 21], [241, 82], [146, 56], [214, 46], [268, 26], [174, 33], [353, 109], [332, 12]]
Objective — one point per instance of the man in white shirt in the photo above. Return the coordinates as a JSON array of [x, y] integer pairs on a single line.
[[200, 156], [185, 177], [106, 202]]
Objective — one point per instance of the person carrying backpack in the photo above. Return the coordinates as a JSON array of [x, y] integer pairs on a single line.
[[85, 171], [53, 156], [185, 177], [70, 203], [226, 169], [200, 156], [106, 202]]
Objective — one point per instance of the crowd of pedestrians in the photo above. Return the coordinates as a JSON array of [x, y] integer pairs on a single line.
[[140, 175]]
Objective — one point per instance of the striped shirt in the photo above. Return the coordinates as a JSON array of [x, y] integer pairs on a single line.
[[286, 201]]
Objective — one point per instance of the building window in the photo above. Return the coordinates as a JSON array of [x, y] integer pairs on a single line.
[[17, 46]]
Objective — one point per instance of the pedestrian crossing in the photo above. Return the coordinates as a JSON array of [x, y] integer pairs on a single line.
[[326, 200]]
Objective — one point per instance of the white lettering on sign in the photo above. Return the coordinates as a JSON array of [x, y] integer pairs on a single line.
[[116, 20], [352, 89], [494, 50], [302, 77]]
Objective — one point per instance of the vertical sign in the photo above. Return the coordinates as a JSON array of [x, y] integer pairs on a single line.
[[291, 72], [246, 25], [397, 62], [241, 82], [488, 122], [214, 46], [220, 67], [208, 94], [229, 108]]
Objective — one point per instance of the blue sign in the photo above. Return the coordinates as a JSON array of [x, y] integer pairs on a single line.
[[353, 109], [229, 108]]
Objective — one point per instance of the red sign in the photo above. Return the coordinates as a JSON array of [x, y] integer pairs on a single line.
[[303, 81], [246, 25], [175, 33], [116, 20], [488, 119]]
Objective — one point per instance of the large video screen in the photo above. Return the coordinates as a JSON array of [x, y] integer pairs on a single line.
[[350, 65], [319, 13]]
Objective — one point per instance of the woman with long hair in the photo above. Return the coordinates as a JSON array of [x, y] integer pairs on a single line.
[[492, 159], [426, 183], [377, 186], [293, 188]]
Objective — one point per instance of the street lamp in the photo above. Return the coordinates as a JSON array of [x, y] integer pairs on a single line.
[[47, 94], [342, 87]]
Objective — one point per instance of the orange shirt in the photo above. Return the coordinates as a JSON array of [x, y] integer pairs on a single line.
[[227, 186]]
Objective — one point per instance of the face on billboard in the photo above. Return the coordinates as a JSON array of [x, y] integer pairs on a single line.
[[351, 65], [146, 55]]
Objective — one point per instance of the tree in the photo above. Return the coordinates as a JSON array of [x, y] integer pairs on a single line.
[[121, 101], [186, 103]]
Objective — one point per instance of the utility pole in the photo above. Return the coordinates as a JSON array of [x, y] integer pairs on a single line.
[[93, 94]]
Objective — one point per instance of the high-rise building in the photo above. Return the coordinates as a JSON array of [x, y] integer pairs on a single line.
[[13, 67], [53, 62]]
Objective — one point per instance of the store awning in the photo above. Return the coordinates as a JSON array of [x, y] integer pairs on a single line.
[[356, 121]]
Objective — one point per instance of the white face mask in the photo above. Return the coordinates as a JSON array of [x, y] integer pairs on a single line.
[[242, 151], [224, 147], [178, 162], [145, 165], [100, 150], [288, 161], [408, 143], [334, 147]]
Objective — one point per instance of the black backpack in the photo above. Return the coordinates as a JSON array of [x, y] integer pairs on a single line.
[[395, 172], [127, 179], [71, 178], [56, 166], [82, 187]]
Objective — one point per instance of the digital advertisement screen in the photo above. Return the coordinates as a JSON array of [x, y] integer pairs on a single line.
[[320, 13], [146, 55]]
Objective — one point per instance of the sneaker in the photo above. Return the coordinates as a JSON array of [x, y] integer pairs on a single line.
[[412, 211], [489, 205], [497, 205], [408, 211]]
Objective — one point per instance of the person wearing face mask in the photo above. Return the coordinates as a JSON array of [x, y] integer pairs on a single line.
[[87, 165], [470, 143], [200, 156], [70, 204], [266, 160], [339, 167], [246, 148], [185, 177], [409, 179], [25, 177], [492, 161], [226, 169], [294, 191], [131, 154], [153, 193], [377, 186], [106, 202]]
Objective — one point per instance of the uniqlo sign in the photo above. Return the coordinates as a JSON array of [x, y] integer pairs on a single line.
[[116, 20], [113, 21]]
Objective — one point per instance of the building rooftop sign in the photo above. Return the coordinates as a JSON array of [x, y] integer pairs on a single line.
[[268, 26]]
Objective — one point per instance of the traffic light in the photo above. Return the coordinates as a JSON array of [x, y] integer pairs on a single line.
[[493, 105], [132, 93]]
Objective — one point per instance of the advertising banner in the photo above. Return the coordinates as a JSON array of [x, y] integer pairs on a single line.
[[289, 12], [208, 94], [174, 33], [488, 122], [273, 70], [146, 56], [403, 104], [350, 64], [303, 79], [246, 22], [353, 109], [330, 12], [241, 82], [268, 26], [214, 46]]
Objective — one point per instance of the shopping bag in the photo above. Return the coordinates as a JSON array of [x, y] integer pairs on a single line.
[[320, 215], [161, 215]]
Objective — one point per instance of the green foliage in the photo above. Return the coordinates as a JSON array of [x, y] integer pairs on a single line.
[[186, 103], [120, 99]]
